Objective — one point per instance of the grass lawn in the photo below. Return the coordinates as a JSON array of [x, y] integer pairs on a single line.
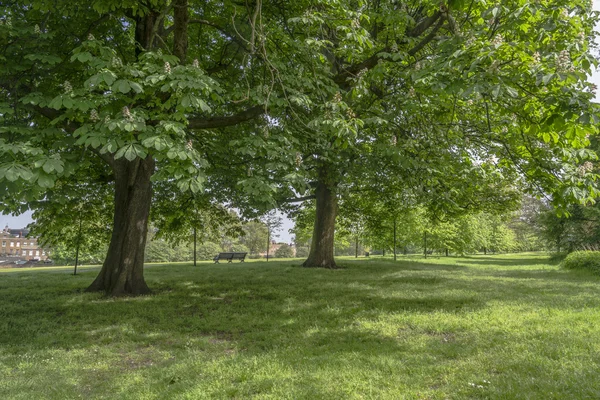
[[484, 327]]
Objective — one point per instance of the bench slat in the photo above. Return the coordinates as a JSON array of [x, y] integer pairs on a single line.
[[230, 257]]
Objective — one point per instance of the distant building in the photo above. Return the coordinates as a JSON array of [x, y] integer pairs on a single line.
[[273, 248], [15, 244]]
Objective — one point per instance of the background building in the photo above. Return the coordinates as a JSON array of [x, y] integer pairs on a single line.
[[16, 245]]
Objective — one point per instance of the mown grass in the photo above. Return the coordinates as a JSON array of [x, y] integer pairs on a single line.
[[488, 327]]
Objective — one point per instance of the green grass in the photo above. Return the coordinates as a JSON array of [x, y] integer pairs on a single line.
[[484, 327]]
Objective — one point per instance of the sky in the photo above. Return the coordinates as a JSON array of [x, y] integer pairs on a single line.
[[20, 221]]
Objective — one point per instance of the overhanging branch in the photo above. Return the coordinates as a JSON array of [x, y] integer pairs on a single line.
[[222, 122], [417, 31], [299, 199]]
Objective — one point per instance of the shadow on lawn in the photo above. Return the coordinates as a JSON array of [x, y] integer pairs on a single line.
[[509, 262], [258, 308]]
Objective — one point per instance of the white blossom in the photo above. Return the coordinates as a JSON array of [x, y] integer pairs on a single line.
[[498, 40], [67, 87], [563, 62], [127, 113]]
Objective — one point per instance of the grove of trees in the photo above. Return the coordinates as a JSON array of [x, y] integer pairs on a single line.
[[354, 116]]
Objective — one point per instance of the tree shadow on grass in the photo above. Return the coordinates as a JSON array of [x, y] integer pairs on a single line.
[[297, 316]]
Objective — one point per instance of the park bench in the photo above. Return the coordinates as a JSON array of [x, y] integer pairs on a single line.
[[229, 257]]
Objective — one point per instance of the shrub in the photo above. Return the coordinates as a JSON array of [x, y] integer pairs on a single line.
[[284, 251], [557, 258], [207, 250], [239, 248], [301, 251], [589, 260]]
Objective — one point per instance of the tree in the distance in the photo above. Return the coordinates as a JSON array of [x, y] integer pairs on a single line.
[[284, 251], [273, 223]]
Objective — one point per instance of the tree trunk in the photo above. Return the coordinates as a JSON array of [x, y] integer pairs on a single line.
[[78, 243], [384, 252], [484, 251], [394, 238], [195, 246], [446, 252], [122, 272], [268, 241], [180, 33], [321, 250], [356, 248], [425, 244]]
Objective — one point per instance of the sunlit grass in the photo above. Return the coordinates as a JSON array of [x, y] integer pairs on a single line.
[[499, 327]]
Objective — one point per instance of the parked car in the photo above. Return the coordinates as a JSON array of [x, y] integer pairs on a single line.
[[20, 262], [48, 261]]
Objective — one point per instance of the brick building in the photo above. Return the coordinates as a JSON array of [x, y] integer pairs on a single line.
[[273, 248], [15, 244]]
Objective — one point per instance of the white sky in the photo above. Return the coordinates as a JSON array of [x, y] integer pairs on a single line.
[[22, 220]]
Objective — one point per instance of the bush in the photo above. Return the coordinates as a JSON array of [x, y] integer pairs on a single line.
[[557, 258], [284, 251], [301, 251], [207, 250], [589, 260], [239, 248]]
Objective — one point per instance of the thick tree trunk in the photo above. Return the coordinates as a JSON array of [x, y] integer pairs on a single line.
[[122, 272], [181, 19], [321, 250]]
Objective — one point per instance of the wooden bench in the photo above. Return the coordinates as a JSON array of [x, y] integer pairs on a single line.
[[229, 257]]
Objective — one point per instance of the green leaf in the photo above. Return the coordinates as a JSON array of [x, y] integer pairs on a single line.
[[130, 153], [45, 181], [136, 87], [108, 77], [512, 92], [122, 86], [56, 102]]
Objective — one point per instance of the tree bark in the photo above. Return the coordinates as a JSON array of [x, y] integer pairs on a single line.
[[195, 239], [425, 244], [181, 20], [356, 248], [268, 241], [78, 243], [394, 238], [321, 249], [122, 272]]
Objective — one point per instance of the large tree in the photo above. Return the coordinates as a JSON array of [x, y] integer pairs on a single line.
[[134, 85], [438, 90]]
